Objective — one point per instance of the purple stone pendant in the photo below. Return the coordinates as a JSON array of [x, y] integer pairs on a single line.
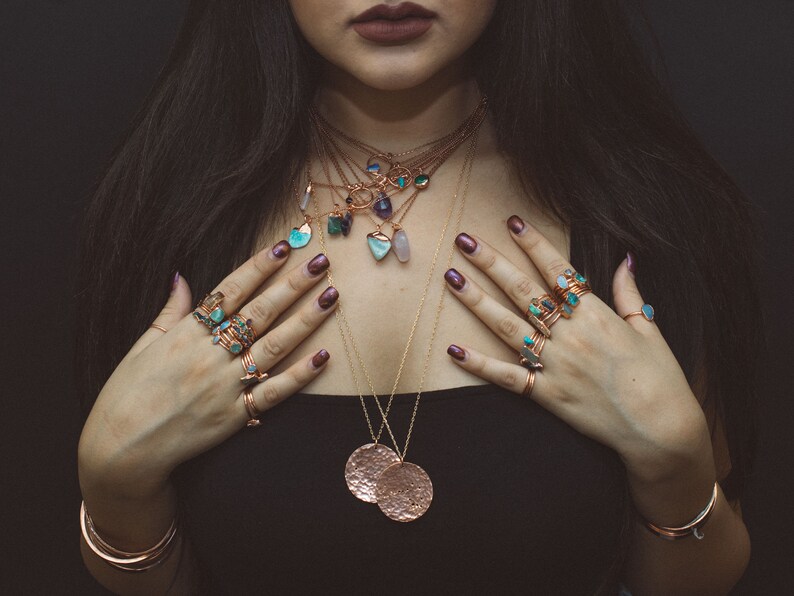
[[382, 206]]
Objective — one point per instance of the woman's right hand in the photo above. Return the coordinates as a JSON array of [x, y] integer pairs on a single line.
[[176, 395]]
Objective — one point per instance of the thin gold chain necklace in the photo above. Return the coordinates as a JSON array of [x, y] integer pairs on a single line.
[[375, 473]]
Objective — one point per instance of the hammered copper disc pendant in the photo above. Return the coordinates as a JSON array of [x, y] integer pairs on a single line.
[[364, 467], [404, 491]]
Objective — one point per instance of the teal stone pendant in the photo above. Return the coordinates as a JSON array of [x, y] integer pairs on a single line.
[[421, 181], [379, 244], [299, 237], [334, 225]]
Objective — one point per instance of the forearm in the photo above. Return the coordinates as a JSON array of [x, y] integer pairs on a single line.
[[712, 565]]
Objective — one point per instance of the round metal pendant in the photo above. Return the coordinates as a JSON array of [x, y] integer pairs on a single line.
[[404, 491], [364, 467]]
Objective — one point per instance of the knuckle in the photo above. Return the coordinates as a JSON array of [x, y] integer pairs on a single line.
[[232, 290], [510, 378], [259, 263], [271, 347], [487, 260], [270, 394], [508, 326], [521, 287], [556, 267], [296, 282], [262, 310], [306, 319], [475, 297]]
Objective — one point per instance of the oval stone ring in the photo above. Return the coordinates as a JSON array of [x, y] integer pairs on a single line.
[[646, 312]]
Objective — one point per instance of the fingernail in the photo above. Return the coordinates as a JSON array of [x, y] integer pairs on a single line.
[[318, 264], [457, 353], [327, 298], [515, 224], [281, 249], [466, 243], [175, 282], [455, 279], [632, 263], [320, 358]]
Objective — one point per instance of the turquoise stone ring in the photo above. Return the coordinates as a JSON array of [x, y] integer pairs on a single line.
[[646, 312]]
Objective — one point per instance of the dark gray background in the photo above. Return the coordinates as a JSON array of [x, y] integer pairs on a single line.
[[72, 75]]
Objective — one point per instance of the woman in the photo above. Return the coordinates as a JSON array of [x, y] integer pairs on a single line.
[[534, 135]]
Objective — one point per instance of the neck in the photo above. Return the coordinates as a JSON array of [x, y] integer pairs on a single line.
[[397, 120]]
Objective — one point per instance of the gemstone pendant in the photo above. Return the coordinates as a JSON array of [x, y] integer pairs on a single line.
[[334, 225], [347, 223], [299, 237], [379, 244], [399, 242], [382, 206], [307, 196], [421, 181]]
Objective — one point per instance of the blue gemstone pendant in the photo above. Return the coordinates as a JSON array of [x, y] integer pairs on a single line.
[[299, 237], [379, 244]]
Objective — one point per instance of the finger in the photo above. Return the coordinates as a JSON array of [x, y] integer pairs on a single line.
[[512, 377], [546, 258], [628, 298], [279, 387], [243, 281], [520, 286], [502, 321], [279, 342], [178, 305], [265, 308]]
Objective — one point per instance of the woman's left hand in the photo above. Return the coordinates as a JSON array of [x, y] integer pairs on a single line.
[[614, 380]]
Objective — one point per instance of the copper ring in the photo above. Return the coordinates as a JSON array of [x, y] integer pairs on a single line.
[[646, 312], [250, 407], [160, 327], [252, 373], [530, 384], [208, 312], [570, 286], [235, 334]]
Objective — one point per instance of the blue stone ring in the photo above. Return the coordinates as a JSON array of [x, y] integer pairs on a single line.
[[570, 287], [209, 311], [646, 312]]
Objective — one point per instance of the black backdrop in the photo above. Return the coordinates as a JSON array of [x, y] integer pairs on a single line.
[[72, 75]]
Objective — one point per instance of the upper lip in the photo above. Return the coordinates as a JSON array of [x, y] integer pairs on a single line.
[[392, 13]]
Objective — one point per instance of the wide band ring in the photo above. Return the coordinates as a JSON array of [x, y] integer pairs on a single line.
[[252, 373], [646, 312], [209, 312], [250, 407], [235, 334]]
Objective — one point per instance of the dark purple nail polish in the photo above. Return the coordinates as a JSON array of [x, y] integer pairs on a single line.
[[327, 298], [174, 282], [632, 263], [455, 279], [456, 352], [318, 264], [281, 249], [515, 224], [466, 243], [320, 358]]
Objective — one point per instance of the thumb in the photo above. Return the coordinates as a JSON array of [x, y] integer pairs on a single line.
[[177, 307], [627, 296]]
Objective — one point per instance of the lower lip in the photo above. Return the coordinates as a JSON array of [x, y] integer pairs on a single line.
[[386, 31]]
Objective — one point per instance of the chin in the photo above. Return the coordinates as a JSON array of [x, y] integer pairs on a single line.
[[398, 74]]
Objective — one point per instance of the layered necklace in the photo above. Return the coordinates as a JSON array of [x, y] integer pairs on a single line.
[[375, 473], [369, 188]]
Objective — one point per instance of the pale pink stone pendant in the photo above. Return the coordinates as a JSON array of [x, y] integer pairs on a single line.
[[400, 246]]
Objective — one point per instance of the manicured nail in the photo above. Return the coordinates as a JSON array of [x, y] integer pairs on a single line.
[[281, 249], [457, 353], [466, 243], [632, 263], [318, 264], [455, 279], [327, 298], [516, 224], [320, 358], [175, 282]]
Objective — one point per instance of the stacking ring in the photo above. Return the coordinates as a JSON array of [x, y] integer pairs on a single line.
[[528, 357], [250, 407], [252, 374], [530, 383], [235, 334], [646, 311], [160, 327], [570, 287], [209, 311]]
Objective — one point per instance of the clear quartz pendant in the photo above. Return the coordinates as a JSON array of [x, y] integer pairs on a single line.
[[400, 246], [307, 196]]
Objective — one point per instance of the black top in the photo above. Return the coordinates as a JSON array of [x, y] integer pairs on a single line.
[[522, 502]]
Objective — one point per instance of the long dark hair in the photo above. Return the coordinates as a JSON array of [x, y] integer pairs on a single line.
[[210, 155]]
